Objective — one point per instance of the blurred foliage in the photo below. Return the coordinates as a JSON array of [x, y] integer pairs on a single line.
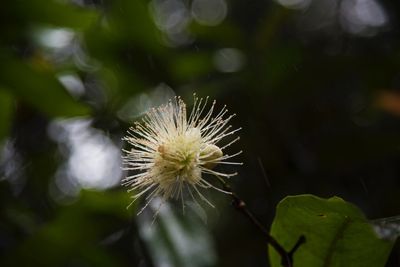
[[314, 83], [6, 106], [68, 238], [30, 88], [178, 239]]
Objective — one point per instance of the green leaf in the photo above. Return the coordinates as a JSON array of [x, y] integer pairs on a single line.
[[337, 233], [39, 88], [138, 28], [191, 65], [177, 240], [75, 234], [54, 13]]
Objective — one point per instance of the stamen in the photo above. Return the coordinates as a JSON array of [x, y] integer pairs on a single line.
[[171, 149]]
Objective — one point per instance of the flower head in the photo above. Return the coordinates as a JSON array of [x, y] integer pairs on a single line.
[[171, 150]]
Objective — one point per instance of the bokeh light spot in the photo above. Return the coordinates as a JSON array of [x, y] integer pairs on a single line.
[[209, 12], [229, 60]]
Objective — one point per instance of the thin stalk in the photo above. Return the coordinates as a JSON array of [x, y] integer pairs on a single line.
[[240, 205]]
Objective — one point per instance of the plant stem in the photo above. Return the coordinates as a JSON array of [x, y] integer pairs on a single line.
[[240, 205]]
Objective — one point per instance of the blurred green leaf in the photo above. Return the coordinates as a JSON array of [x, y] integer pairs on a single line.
[[138, 28], [6, 112], [54, 13], [337, 233], [178, 241], [75, 234], [224, 34], [108, 202], [39, 88], [191, 65]]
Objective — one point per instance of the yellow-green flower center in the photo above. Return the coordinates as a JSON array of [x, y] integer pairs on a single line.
[[179, 159]]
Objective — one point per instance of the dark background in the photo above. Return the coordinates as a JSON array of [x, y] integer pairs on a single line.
[[314, 84]]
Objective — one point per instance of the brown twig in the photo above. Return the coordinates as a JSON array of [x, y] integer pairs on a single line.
[[240, 205]]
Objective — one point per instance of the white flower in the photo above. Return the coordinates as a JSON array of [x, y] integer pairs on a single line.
[[171, 151]]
